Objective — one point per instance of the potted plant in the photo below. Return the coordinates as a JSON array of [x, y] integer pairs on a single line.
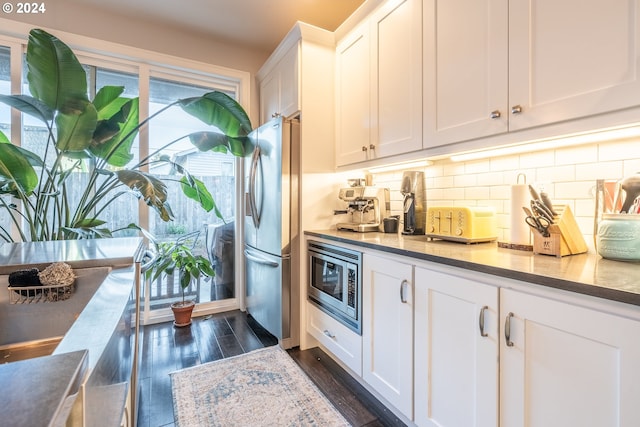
[[96, 135], [177, 256]]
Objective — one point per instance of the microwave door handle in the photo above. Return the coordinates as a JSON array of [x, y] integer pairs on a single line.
[[253, 206], [260, 260]]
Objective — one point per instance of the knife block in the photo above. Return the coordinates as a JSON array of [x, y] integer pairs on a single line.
[[564, 238]]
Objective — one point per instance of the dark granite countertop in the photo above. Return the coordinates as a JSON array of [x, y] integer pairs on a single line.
[[587, 273], [27, 402]]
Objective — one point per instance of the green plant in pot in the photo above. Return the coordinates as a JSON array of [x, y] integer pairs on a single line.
[[177, 257], [96, 136]]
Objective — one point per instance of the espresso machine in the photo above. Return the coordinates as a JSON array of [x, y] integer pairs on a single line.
[[415, 215], [367, 206]]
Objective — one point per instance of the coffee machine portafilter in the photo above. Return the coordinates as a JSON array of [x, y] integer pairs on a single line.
[[415, 215]]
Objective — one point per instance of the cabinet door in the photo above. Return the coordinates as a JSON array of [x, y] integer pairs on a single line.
[[465, 69], [572, 59], [279, 89], [353, 127], [289, 83], [387, 330], [269, 96], [565, 365], [456, 356], [396, 77]]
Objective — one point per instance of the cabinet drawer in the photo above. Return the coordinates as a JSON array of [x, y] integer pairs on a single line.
[[345, 344]]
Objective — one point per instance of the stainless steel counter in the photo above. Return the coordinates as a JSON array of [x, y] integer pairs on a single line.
[[102, 332], [587, 273], [40, 391]]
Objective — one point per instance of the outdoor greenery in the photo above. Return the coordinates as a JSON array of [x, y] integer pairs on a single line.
[[96, 136]]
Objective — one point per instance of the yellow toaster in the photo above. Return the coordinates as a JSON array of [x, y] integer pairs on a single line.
[[471, 224]]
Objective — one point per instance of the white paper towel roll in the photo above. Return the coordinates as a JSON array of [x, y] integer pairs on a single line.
[[520, 231]]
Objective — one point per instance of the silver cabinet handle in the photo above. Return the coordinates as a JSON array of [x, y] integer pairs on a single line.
[[481, 321], [507, 330], [329, 334], [274, 115], [495, 114], [403, 299], [516, 109]]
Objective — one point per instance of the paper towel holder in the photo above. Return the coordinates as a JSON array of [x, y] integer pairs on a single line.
[[521, 246]]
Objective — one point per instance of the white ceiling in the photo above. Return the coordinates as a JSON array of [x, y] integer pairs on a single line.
[[259, 24]]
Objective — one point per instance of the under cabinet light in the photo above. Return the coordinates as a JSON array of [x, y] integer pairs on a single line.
[[552, 143], [399, 166]]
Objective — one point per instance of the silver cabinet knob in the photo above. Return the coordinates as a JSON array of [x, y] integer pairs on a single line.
[[364, 148], [495, 114], [372, 147], [516, 109]]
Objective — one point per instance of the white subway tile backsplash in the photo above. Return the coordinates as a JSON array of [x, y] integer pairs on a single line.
[[619, 150], [567, 174], [505, 163], [537, 159], [576, 155], [477, 166], [601, 170], [466, 180]]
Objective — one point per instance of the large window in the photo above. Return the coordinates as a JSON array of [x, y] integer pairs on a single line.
[[5, 126], [157, 86], [216, 170]]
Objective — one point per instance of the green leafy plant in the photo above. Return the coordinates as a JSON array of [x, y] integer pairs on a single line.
[[97, 135], [177, 255]]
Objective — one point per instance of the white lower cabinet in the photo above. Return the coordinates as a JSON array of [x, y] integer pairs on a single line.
[[456, 351], [447, 347], [565, 365], [387, 330], [341, 341]]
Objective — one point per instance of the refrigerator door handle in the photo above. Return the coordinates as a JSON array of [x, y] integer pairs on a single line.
[[253, 206], [260, 260]]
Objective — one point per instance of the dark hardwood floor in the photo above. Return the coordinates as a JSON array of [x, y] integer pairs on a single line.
[[167, 349]]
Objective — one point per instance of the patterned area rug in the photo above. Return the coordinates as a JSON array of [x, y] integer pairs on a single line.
[[262, 388]]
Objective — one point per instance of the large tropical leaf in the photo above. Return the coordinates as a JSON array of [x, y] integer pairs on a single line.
[[108, 142], [4, 139], [149, 188], [195, 189], [17, 176], [76, 128], [28, 105], [54, 73], [213, 141], [108, 102], [220, 110]]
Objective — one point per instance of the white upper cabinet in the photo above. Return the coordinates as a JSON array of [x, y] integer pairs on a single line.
[[353, 97], [465, 69], [279, 88], [494, 66], [396, 75], [379, 85]]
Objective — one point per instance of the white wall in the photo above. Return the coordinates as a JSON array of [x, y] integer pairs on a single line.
[[567, 174]]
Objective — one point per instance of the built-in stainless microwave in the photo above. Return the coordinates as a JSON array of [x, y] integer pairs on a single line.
[[335, 283]]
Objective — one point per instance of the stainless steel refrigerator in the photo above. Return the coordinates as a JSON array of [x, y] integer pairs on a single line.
[[271, 222]]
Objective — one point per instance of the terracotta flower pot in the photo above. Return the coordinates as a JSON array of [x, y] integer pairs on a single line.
[[182, 313]]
